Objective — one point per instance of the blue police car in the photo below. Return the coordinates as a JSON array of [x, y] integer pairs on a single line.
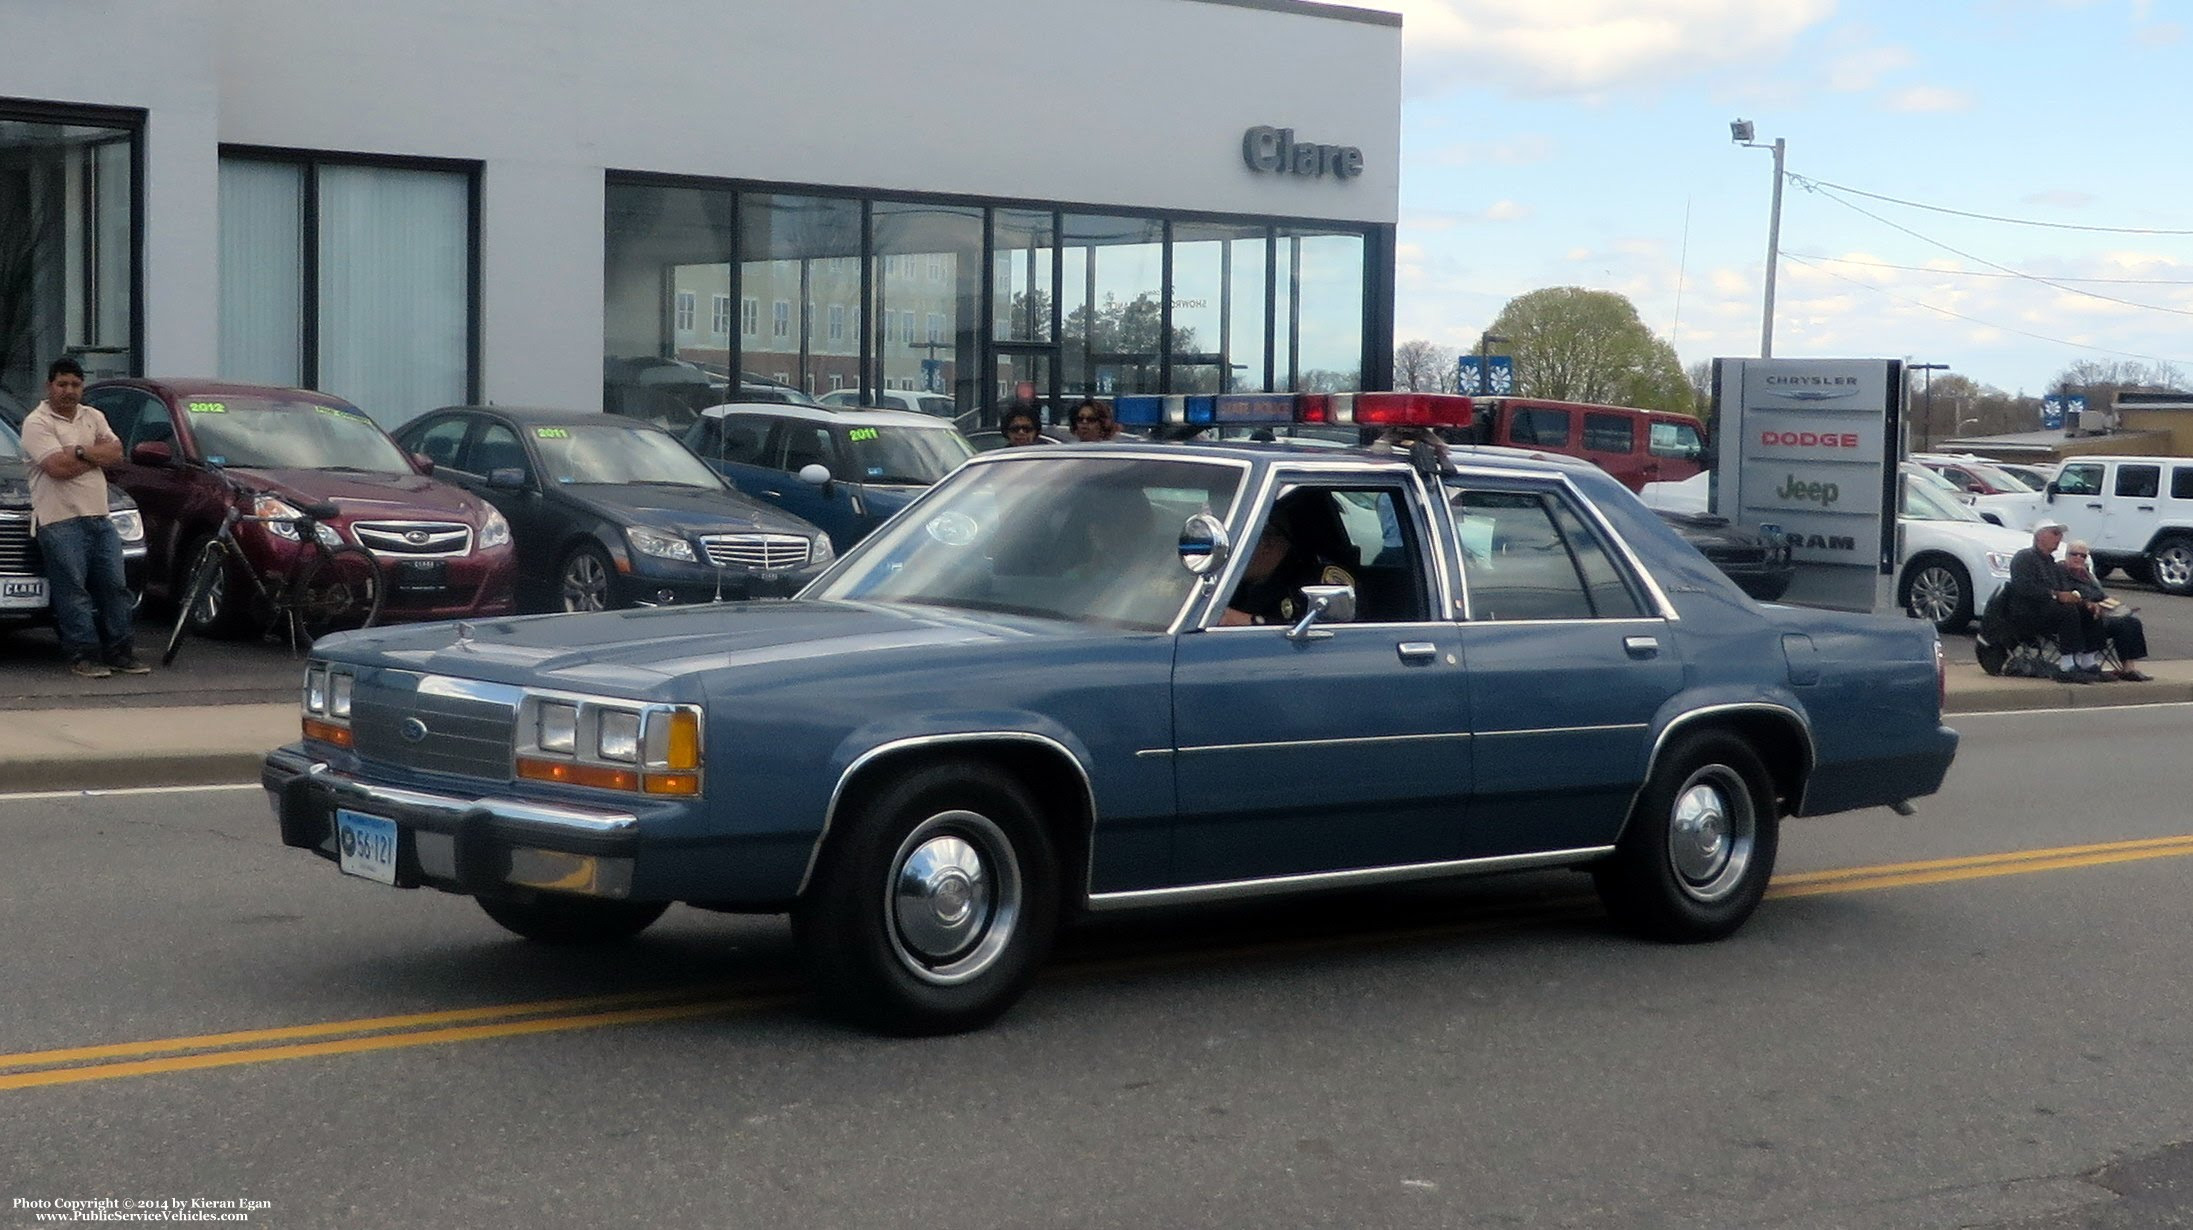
[[1112, 677]]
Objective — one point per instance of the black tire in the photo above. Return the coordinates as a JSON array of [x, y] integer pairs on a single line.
[[1695, 858], [934, 904], [585, 581], [341, 589], [2171, 565], [1937, 589], [226, 609], [2103, 571], [206, 571], [556, 919], [2139, 570]]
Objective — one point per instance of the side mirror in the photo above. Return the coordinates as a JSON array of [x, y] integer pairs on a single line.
[[2050, 488], [815, 474], [1331, 604], [508, 478], [424, 463], [1203, 544], [152, 453]]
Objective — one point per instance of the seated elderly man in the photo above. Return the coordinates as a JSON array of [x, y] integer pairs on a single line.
[[2106, 619], [2043, 602]]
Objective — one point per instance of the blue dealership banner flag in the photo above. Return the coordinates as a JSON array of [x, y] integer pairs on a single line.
[[2056, 408], [1500, 379]]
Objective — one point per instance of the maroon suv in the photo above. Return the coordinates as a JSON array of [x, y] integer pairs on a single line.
[[445, 554]]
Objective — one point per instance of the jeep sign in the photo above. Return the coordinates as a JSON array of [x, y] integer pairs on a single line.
[[1274, 150], [1808, 445]]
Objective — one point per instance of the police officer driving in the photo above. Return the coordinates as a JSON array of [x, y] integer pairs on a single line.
[[1271, 589]]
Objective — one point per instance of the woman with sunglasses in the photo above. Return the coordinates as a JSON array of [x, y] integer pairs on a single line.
[[1020, 426], [1092, 421], [2106, 619]]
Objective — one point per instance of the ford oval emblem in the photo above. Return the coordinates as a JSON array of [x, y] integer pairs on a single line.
[[413, 730]]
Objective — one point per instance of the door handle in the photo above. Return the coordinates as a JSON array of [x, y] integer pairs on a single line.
[[2147, 508], [1641, 646], [1417, 651], [774, 495], [2093, 506]]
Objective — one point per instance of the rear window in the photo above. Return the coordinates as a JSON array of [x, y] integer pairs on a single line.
[[1539, 428], [2139, 482], [1610, 433]]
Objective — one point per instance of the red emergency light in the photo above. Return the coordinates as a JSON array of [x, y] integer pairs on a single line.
[[1412, 409]]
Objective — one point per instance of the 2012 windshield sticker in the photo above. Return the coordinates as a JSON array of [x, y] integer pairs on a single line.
[[208, 407], [334, 412], [859, 434], [553, 433]]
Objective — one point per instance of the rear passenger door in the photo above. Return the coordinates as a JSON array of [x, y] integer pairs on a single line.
[[1570, 660], [1610, 442], [2133, 511]]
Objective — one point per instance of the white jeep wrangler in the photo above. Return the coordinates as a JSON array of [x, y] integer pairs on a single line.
[[2136, 512]]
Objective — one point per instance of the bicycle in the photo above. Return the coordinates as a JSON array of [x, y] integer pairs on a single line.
[[338, 585]]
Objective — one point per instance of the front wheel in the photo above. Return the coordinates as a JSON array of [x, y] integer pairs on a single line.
[[586, 581], [931, 911], [1940, 592], [1695, 858], [339, 589], [551, 919], [2172, 564], [222, 608]]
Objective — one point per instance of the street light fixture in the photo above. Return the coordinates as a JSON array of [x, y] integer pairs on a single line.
[[1484, 361], [1926, 416], [1740, 131]]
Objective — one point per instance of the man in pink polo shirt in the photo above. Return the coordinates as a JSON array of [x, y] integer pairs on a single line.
[[69, 444]]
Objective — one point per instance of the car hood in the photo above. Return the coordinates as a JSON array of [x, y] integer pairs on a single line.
[[684, 509], [368, 496], [15, 488], [1975, 535], [634, 653]]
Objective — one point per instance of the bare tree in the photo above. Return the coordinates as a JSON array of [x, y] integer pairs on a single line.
[[1421, 366]]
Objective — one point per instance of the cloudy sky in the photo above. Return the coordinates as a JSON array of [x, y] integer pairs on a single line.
[[1586, 142]]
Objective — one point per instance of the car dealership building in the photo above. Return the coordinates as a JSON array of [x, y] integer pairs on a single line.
[[414, 203]]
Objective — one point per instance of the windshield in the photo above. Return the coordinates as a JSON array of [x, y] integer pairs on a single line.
[[916, 456], [612, 453], [1999, 478], [1084, 539], [11, 445], [274, 433], [1923, 501]]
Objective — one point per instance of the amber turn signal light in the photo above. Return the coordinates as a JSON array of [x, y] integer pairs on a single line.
[[327, 732]]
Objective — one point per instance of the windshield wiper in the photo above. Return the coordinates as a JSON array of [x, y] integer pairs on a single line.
[[667, 482]]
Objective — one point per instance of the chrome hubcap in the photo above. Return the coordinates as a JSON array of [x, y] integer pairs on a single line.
[[1711, 830], [1935, 594], [2174, 568], [953, 898], [585, 584]]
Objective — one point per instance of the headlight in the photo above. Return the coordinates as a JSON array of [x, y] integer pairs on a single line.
[[660, 545], [274, 506], [316, 689], [1999, 562], [339, 684], [495, 531], [619, 738], [129, 524], [327, 703], [559, 727], [821, 553]]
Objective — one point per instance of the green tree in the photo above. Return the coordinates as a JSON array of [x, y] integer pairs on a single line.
[[1573, 344]]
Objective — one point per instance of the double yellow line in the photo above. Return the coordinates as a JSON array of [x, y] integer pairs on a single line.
[[31, 1069]]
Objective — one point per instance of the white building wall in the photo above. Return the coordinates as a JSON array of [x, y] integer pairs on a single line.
[[1137, 103]]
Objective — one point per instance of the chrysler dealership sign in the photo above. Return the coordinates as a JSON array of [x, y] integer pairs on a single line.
[[1808, 447]]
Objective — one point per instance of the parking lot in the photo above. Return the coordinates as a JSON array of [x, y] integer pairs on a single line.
[[207, 672]]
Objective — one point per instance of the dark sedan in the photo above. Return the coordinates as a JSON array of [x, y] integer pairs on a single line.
[[610, 511], [1761, 566]]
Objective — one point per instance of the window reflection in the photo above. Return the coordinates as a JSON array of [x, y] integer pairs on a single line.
[[800, 267], [1324, 310], [927, 305], [664, 247], [1112, 292], [1218, 308], [66, 215]]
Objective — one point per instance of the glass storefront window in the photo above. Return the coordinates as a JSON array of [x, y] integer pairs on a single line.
[[661, 242], [927, 300], [1112, 296], [1219, 308], [68, 215], [799, 257], [1324, 312], [262, 271], [1023, 244]]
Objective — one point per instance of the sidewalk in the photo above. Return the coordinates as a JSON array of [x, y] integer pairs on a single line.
[[180, 745]]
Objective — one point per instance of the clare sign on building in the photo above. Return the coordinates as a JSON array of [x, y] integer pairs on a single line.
[[1808, 448]]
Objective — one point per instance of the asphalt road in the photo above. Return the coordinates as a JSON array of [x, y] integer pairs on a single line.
[[2001, 1040]]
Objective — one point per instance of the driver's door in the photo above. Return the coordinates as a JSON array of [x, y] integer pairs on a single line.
[[1346, 749]]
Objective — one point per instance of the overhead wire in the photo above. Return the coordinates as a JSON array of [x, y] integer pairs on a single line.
[[1965, 213], [1986, 273]]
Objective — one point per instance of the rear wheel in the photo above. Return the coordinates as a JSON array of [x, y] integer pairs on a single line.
[[552, 919], [206, 572], [1698, 851], [224, 608], [2173, 565]]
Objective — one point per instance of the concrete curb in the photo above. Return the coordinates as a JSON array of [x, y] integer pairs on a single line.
[[112, 772]]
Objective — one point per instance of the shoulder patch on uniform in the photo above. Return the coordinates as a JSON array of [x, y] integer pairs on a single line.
[[1334, 574]]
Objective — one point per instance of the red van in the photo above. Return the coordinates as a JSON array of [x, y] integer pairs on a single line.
[[1636, 446]]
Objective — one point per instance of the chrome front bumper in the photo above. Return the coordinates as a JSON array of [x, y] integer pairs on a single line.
[[469, 845]]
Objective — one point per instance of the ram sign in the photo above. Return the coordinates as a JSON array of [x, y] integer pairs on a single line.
[[1808, 447]]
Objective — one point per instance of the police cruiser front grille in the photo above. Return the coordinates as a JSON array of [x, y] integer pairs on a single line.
[[18, 550], [414, 539], [434, 723], [764, 551]]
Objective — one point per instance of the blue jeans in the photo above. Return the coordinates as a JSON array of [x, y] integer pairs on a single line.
[[90, 599]]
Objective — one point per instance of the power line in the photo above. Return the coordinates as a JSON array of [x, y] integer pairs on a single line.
[[2038, 337], [1817, 188], [1982, 273], [1965, 213]]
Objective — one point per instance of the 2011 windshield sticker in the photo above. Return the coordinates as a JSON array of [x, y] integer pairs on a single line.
[[553, 433], [859, 434], [208, 407]]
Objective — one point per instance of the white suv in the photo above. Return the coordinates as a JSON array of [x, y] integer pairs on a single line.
[[2136, 512]]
